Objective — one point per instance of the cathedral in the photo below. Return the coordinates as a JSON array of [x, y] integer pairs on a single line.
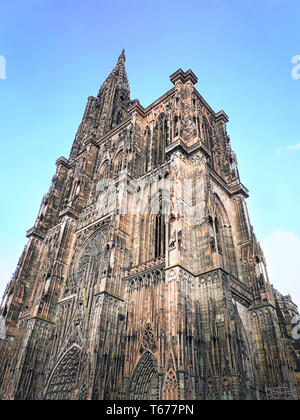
[[142, 278]]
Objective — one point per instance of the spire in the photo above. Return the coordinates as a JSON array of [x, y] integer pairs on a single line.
[[119, 73], [114, 96], [108, 109], [122, 56]]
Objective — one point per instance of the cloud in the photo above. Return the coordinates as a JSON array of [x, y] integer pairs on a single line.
[[294, 147], [281, 149], [282, 252], [278, 152]]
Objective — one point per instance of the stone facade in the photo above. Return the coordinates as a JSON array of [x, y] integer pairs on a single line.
[[142, 277]]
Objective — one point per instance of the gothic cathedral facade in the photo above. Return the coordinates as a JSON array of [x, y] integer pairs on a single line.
[[142, 277]]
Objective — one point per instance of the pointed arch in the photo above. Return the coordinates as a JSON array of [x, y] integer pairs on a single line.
[[148, 341], [104, 168], [246, 363], [158, 209], [143, 384], [170, 387], [118, 163], [159, 140], [147, 142], [89, 260], [63, 378], [153, 223], [224, 243]]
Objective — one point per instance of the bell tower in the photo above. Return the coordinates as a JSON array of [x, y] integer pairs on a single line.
[[108, 109], [142, 277]]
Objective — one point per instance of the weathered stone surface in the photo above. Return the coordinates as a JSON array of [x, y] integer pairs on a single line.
[[142, 277]]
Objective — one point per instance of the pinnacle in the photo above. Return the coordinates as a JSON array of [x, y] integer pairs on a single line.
[[122, 56], [118, 73]]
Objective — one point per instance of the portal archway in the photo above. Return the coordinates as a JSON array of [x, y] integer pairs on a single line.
[[62, 381], [144, 384]]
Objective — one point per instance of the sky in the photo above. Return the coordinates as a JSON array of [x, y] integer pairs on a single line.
[[246, 55]]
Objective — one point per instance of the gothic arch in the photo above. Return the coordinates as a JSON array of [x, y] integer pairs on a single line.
[[160, 201], [87, 262], [245, 357], [152, 222], [170, 387], [62, 381], [104, 168], [89, 258], [117, 162], [219, 209], [159, 207], [159, 140], [224, 237], [147, 142], [143, 384]]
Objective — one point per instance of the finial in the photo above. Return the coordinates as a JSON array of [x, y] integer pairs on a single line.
[[122, 55]]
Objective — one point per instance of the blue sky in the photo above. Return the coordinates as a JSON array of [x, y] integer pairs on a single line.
[[59, 52]]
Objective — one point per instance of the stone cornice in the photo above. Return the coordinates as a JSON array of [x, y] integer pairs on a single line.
[[222, 116], [145, 268], [183, 76], [137, 107], [180, 145], [239, 188], [69, 211], [109, 294], [63, 161], [92, 141], [219, 180], [36, 233], [38, 318], [231, 189]]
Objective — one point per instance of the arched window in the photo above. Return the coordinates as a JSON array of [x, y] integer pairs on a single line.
[[120, 117], [89, 263], [118, 164], [104, 171], [159, 235], [151, 231], [147, 148], [176, 126], [218, 236], [159, 141], [159, 229], [170, 388], [221, 238]]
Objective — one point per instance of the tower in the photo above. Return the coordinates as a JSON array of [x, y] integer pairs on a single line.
[[142, 277]]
